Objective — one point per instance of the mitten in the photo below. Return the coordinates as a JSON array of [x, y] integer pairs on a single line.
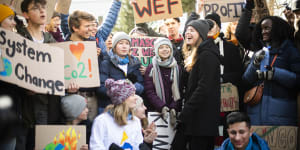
[[132, 77], [258, 57], [172, 117], [164, 113], [265, 75]]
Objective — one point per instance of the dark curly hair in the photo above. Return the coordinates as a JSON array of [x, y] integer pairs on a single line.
[[280, 32]]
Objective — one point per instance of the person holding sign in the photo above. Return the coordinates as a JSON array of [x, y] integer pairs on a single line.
[[117, 126], [198, 120], [121, 65], [241, 136], [162, 81], [277, 67], [76, 113]]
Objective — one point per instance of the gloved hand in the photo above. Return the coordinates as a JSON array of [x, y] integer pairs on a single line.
[[172, 117], [258, 57], [132, 77], [250, 4], [164, 113], [114, 146], [265, 75]]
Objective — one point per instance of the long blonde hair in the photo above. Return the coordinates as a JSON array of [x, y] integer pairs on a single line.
[[190, 54], [120, 113]]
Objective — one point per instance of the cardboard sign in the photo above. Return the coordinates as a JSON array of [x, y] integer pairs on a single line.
[[143, 48], [50, 137], [261, 10], [229, 97], [150, 10], [81, 63], [229, 10], [63, 6], [165, 133], [50, 5], [34, 66], [278, 137]]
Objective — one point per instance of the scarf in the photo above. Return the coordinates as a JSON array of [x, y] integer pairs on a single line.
[[122, 61], [250, 145], [157, 78]]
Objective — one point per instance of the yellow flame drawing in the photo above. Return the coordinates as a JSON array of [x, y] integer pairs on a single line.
[[65, 139]]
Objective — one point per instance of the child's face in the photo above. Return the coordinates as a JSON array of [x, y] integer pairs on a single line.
[[122, 48], [8, 23], [84, 114], [36, 14]]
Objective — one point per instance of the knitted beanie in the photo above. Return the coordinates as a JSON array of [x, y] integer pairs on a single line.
[[201, 26], [162, 41], [72, 106], [118, 37], [215, 17], [118, 91], [5, 11]]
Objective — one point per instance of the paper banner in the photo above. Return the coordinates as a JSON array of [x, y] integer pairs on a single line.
[[34, 66], [150, 10], [165, 132], [81, 63], [229, 97], [143, 48], [228, 10], [52, 137]]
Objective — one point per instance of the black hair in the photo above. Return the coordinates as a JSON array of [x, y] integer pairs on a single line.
[[280, 32], [236, 117], [55, 14], [177, 19], [25, 4]]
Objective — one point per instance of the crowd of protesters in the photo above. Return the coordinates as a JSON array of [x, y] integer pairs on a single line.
[[183, 83]]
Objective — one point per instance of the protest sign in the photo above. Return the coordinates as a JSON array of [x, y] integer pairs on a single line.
[[278, 137], [81, 63], [150, 10], [229, 10], [34, 66], [63, 6], [143, 48], [165, 132], [229, 97], [261, 10], [50, 137], [49, 8]]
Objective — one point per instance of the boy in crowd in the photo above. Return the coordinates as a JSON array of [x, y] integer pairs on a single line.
[[241, 137]]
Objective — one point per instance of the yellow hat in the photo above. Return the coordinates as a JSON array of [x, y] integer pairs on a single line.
[[5, 12]]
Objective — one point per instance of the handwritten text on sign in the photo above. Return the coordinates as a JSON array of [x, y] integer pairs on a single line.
[[34, 66], [143, 48], [229, 97], [278, 137], [165, 132], [81, 63], [150, 10], [229, 10]]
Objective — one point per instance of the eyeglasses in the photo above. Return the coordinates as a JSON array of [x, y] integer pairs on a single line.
[[38, 7]]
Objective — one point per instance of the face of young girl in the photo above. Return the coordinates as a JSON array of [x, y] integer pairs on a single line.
[[191, 36], [122, 48], [8, 23], [131, 101], [140, 111], [164, 52], [84, 114]]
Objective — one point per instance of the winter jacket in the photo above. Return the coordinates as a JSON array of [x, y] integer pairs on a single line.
[[48, 105], [201, 110], [57, 35], [278, 105], [152, 97], [257, 144], [105, 29], [110, 69]]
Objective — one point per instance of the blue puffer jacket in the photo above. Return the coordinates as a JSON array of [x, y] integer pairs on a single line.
[[105, 29], [110, 69], [255, 143], [279, 102]]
